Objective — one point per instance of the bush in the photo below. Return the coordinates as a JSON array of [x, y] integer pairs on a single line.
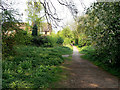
[[52, 40], [60, 40], [18, 38], [22, 38], [47, 41], [7, 45], [44, 41], [67, 35]]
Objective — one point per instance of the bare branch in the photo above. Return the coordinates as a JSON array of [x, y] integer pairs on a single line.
[[50, 12]]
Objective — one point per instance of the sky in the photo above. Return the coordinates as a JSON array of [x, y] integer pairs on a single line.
[[62, 11]]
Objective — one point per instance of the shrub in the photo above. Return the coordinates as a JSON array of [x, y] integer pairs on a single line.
[[22, 38], [47, 41], [44, 41], [7, 45], [52, 40], [83, 41], [60, 40]]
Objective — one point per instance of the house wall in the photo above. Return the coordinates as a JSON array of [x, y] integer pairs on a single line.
[[43, 32], [46, 28], [48, 33]]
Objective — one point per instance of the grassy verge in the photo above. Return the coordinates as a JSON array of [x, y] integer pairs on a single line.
[[89, 52], [71, 47], [63, 75], [33, 67]]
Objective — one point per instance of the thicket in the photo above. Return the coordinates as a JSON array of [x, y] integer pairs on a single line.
[[101, 26], [11, 33], [47, 41], [106, 33]]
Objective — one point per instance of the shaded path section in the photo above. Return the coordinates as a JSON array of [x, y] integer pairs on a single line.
[[83, 74]]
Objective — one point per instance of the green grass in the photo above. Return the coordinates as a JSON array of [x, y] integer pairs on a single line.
[[71, 47], [63, 75], [85, 49], [33, 67], [90, 55]]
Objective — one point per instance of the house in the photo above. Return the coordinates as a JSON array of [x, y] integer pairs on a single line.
[[22, 26], [46, 29]]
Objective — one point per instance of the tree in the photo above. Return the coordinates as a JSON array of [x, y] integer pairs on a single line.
[[34, 13], [11, 32], [50, 11], [105, 32], [66, 34], [10, 25], [34, 31]]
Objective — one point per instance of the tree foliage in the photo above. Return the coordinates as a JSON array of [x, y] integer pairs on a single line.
[[11, 32], [9, 27], [34, 12], [66, 34], [102, 27]]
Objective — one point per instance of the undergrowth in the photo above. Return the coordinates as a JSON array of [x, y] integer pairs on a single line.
[[33, 67]]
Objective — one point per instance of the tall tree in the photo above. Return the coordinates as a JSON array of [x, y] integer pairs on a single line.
[[10, 25], [106, 32], [34, 13], [33, 10]]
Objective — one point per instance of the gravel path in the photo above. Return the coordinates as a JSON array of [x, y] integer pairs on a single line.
[[83, 74]]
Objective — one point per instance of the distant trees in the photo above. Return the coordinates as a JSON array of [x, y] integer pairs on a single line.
[[79, 31], [66, 34]]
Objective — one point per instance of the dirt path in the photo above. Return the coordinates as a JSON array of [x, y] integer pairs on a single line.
[[83, 74]]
